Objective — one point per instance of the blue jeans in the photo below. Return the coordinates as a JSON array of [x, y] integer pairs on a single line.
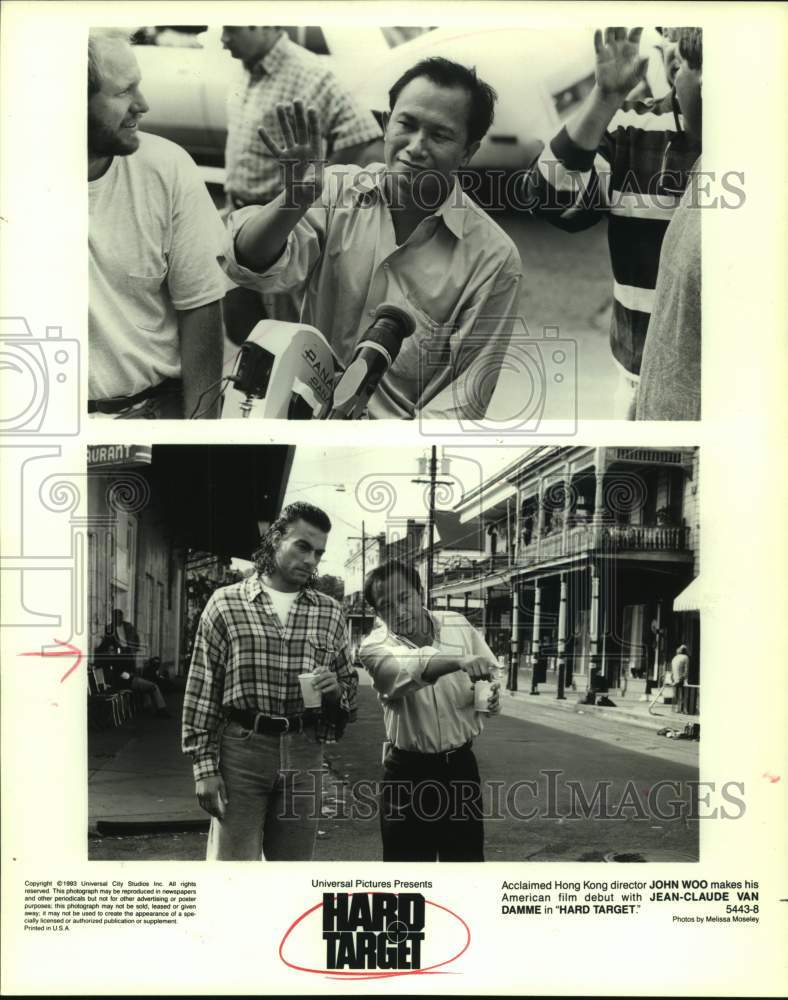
[[273, 786]]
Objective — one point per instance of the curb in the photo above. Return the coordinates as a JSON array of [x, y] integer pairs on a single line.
[[654, 722], [118, 828]]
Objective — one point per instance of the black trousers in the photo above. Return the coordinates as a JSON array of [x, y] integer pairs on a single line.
[[431, 807]]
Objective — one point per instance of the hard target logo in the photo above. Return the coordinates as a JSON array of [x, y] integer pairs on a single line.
[[364, 931], [374, 935]]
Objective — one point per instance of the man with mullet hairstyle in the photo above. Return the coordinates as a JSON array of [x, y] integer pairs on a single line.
[[257, 751]]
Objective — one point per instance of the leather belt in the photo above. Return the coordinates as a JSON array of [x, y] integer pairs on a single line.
[[120, 403], [272, 725], [424, 755]]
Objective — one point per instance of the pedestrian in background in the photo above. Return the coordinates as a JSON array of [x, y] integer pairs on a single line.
[[276, 71], [679, 671]]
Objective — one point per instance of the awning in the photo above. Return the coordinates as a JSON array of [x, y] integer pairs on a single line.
[[691, 598]]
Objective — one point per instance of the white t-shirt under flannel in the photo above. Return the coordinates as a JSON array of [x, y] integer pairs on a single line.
[[153, 234], [287, 73]]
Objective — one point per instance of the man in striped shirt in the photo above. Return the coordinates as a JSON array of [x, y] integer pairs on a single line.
[[257, 752], [628, 161]]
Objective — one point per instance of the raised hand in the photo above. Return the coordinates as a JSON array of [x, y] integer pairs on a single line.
[[300, 156], [619, 66]]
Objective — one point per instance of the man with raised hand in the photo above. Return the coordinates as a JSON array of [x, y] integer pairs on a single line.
[[401, 232], [274, 70], [154, 321], [627, 161], [424, 666], [257, 749]]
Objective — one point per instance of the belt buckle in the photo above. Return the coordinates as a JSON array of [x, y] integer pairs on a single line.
[[281, 718]]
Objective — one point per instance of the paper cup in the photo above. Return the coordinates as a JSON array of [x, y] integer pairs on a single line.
[[481, 695], [312, 697]]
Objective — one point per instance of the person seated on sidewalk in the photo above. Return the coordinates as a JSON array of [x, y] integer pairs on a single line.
[[117, 655], [424, 665]]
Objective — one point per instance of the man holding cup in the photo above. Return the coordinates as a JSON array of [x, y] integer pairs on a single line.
[[435, 678], [270, 681]]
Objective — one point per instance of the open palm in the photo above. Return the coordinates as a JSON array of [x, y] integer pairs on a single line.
[[300, 154], [619, 66]]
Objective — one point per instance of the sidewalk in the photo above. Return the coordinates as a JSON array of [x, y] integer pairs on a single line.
[[146, 783], [629, 711], [140, 782]]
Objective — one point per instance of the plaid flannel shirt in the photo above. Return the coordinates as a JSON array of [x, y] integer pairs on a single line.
[[287, 73], [244, 657]]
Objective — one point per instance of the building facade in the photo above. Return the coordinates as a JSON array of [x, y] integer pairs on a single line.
[[588, 552], [152, 510]]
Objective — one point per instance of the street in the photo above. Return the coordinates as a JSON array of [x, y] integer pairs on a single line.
[[568, 756]]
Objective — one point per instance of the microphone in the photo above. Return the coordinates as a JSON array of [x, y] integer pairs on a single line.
[[372, 358]]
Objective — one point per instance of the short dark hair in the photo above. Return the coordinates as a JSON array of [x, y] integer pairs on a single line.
[[446, 73], [691, 47], [384, 572], [300, 511]]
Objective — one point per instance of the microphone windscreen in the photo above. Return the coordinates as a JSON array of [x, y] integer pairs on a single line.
[[402, 319]]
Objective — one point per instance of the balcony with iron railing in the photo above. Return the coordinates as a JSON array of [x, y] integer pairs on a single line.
[[472, 569], [605, 538]]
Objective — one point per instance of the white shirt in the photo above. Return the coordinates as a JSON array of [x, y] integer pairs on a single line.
[[281, 601], [419, 715], [154, 235], [457, 275]]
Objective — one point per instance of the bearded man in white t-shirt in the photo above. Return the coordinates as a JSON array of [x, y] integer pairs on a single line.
[[155, 286]]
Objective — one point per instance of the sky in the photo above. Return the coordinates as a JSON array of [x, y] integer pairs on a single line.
[[374, 485]]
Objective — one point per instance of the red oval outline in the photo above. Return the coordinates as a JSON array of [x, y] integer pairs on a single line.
[[349, 975]]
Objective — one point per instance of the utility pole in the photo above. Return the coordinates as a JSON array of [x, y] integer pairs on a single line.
[[432, 482], [363, 539], [431, 525]]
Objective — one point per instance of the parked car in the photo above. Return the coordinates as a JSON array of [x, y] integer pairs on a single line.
[[541, 75], [186, 75]]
